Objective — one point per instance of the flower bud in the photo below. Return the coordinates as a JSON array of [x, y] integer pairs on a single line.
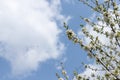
[[60, 79], [64, 72]]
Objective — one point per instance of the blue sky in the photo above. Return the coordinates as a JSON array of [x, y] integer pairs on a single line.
[[33, 40]]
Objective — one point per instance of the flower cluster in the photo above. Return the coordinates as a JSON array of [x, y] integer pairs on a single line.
[[105, 55]]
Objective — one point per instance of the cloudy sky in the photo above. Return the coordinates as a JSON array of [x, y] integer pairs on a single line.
[[33, 40]]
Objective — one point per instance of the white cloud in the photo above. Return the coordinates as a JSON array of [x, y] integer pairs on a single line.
[[91, 74], [101, 37], [88, 72], [29, 34]]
